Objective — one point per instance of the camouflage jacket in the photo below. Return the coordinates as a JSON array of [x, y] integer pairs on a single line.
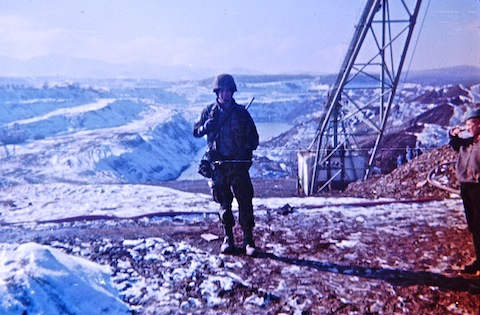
[[235, 135]]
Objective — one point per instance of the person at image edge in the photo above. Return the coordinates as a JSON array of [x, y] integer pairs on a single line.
[[468, 174], [231, 138]]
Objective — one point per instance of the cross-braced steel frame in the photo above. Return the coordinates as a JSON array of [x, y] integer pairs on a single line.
[[352, 125]]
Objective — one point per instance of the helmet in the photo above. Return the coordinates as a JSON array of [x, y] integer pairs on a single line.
[[474, 113], [224, 81]]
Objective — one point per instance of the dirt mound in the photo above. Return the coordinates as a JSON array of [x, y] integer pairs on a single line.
[[409, 181]]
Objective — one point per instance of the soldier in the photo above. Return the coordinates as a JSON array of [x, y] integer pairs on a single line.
[[468, 174], [231, 137]]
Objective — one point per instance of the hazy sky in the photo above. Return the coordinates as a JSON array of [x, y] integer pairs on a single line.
[[272, 36]]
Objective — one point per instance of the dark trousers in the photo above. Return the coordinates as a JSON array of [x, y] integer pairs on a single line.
[[231, 179], [470, 193]]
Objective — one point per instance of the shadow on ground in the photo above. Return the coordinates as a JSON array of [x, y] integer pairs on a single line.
[[394, 276]]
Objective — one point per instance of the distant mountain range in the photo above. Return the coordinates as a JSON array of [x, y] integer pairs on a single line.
[[465, 75], [80, 68], [76, 68]]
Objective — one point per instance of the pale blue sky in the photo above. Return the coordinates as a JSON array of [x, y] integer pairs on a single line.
[[272, 36]]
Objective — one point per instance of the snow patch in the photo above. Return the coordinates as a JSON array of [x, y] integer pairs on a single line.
[[37, 279]]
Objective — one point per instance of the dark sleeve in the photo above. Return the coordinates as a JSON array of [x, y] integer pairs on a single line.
[[198, 131], [456, 142]]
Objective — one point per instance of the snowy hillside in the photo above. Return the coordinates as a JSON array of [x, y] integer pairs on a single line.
[[139, 131], [121, 131]]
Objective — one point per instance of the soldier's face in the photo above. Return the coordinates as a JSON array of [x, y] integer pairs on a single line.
[[224, 96]]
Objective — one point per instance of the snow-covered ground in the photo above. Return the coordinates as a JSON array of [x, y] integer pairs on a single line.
[[56, 279]]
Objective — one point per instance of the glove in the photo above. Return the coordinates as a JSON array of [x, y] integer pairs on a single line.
[[209, 126]]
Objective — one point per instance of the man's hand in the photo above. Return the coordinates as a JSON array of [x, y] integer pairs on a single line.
[[209, 126], [455, 131]]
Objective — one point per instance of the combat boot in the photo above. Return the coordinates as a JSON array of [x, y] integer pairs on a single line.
[[228, 245], [248, 243]]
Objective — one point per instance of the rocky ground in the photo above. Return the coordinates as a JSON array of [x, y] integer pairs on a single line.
[[410, 180], [310, 262]]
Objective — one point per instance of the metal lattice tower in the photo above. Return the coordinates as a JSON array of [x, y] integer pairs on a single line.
[[351, 129]]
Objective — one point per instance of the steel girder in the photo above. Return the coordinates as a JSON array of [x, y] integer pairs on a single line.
[[354, 125]]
